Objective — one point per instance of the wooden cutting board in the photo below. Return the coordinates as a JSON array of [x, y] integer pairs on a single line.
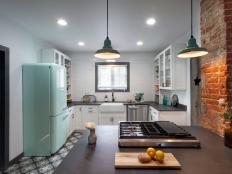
[[130, 160]]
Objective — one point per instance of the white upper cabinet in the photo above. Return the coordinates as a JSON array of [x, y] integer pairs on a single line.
[[54, 56], [172, 70]]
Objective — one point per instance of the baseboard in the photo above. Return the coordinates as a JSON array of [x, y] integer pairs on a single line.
[[13, 161]]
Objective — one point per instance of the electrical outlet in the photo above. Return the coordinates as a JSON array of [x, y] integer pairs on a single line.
[[221, 102]]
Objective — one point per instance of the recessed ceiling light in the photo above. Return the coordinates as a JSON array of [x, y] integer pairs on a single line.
[[151, 21], [81, 43], [139, 43], [62, 22]]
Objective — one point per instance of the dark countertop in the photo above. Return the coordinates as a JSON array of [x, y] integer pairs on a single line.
[[75, 103], [213, 157], [149, 103]]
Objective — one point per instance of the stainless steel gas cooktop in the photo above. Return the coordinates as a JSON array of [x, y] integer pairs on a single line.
[[156, 134]]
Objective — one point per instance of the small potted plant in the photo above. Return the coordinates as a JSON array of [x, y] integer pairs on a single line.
[[228, 129]]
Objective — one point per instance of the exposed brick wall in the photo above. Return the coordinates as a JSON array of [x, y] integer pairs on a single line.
[[216, 36], [228, 20]]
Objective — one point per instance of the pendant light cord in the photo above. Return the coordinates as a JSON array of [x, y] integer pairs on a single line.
[[191, 18], [107, 16]]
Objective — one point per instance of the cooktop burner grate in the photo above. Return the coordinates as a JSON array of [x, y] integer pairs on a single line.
[[151, 129], [159, 133], [172, 129]]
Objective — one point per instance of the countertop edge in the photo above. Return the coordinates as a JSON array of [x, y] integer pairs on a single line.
[[158, 107]]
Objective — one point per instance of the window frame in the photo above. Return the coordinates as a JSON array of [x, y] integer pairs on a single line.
[[112, 63]]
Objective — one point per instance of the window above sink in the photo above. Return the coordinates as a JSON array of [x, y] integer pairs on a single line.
[[112, 76]]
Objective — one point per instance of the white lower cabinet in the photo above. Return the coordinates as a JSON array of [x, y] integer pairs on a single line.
[[89, 114], [153, 114], [85, 113], [78, 115], [177, 117], [71, 120]]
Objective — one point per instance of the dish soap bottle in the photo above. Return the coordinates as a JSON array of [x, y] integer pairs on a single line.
[[165, 101], [106, 98]]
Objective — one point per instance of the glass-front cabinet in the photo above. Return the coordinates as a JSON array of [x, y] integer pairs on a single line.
[[62, 59], [165, 69], [54, 56], [172, 70], [157, 78], [57, 57], [161, 70]]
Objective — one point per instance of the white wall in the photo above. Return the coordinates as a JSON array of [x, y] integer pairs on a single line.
[[24, 48], [141, 75]]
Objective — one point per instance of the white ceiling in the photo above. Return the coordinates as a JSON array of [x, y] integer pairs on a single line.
[[87, 22]]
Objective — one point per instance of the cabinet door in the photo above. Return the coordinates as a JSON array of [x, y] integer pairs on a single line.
[[78, 118], [62, 59], [57, 57], [156, 79], [153, 114], [168, 70], [74, 116], [161, 71], [69, 125], [89, 114], [70, 121]]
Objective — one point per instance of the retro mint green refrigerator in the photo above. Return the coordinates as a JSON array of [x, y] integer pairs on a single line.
[[45, 117]]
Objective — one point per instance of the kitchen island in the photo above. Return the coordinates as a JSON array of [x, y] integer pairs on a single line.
[[212, 158]]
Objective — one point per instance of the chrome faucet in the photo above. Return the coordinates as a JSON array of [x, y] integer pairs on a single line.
[[113, 99]]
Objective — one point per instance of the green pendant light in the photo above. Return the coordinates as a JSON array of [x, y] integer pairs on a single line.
[[192, 50], [107, 52]]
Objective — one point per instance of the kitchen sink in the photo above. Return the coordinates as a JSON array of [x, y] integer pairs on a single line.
[[112, 107]]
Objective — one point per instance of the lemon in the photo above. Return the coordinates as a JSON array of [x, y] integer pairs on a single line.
[[151, 152], [159, 155]]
